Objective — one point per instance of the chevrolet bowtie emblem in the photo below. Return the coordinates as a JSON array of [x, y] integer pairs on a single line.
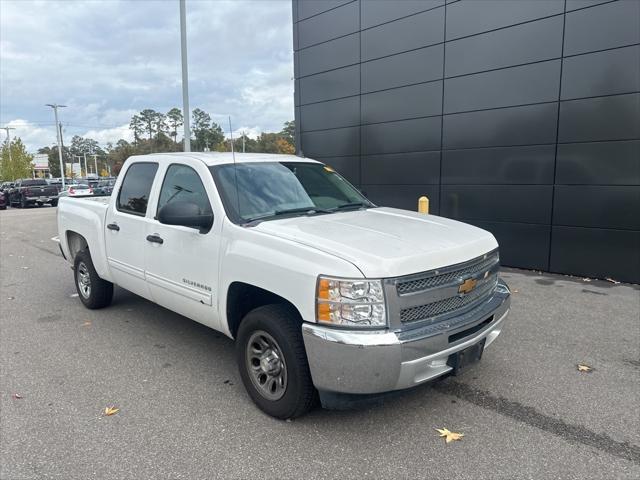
[[468, 285]]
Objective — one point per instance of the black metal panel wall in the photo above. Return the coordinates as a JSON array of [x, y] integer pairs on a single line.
[[521, 117]]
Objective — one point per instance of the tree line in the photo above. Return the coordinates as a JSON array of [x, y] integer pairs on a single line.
[[153, 132]]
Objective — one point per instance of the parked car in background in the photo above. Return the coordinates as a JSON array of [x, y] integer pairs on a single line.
[[77, 190], [33, 191], [6, 186], [3, 200], [104, 187], [55, 182]]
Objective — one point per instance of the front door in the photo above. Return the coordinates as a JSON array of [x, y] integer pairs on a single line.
[[126, 228], [182, 262]]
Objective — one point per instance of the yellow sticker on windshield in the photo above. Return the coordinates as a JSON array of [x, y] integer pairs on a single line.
[[329, 169]]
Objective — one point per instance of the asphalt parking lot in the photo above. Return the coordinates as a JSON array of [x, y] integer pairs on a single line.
[[525, 410]]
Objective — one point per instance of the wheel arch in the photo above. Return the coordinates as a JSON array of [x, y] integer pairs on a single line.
[[243, 297], [75, 243]]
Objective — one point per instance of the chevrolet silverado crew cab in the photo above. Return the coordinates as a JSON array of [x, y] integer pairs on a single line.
[[324, 292]]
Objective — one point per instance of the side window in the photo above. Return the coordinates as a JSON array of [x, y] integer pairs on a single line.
[[182, 183], [135, 189]]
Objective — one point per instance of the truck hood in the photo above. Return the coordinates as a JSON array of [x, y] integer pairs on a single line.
[[386, 242]]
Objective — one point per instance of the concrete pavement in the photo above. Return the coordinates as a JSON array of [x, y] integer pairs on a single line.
[[525, 410]]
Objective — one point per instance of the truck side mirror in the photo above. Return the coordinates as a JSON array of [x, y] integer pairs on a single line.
[[186, 214]]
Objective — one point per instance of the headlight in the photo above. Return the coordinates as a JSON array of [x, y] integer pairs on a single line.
[[355, 303]]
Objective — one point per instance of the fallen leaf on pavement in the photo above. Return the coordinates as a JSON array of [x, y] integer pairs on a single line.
[[515, 290], [612, 280], [17, 396], [584, 368], [449, 436], [86, 324], [10, 298], [108, 411]]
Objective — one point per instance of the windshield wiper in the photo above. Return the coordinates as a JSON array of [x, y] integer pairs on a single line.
[[277, 213], [307, 210], [351, 205]]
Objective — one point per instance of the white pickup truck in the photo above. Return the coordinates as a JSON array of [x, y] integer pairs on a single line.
[[324, 292]]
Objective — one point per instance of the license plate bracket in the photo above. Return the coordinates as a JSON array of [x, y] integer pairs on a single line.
[[459, 361]]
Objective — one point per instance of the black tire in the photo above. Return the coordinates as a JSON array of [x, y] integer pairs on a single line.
[[283, 325], [3, 208], [100, 292], [54, 203], [23, 204]]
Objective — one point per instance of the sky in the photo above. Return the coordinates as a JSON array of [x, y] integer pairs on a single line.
[[107, 60]]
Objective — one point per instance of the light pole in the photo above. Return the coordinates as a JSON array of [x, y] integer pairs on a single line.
[[9, 145], [95, 162], [55, 107], [185, 77], [86, 172]]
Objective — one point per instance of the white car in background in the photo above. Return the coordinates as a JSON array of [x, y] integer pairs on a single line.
[[77, 190]]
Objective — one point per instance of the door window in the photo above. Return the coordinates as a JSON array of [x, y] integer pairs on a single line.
[[136, 187], [182, 183]]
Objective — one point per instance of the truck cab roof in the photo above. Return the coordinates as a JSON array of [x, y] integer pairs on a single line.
[[220, 158]]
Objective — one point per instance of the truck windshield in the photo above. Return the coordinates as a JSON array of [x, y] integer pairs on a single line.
[[265, 190]]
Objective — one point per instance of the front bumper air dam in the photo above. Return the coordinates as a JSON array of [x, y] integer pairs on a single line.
[[369, 362]]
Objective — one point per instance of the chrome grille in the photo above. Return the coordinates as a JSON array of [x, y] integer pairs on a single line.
[[436, 309], [433, 279]]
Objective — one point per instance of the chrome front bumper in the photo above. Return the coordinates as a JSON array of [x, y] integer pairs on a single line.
[[365, 362]]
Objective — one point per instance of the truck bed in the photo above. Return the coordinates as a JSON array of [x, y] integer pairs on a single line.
[[84, 216]]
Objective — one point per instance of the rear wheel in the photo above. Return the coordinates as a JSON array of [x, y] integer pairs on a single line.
[[93, 291], [23, 203], [273, 362], [54, 203]]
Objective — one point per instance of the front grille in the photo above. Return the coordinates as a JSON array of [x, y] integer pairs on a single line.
[[436, 309], [433, 279]]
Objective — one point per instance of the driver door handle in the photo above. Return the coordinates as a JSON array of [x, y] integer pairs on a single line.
[[113, 226], [155, 239]]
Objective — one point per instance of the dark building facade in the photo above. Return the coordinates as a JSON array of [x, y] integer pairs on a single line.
[[519, 116]]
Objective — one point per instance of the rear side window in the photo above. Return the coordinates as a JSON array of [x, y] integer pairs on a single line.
[[32, 183], [136, 186], [182, 183]]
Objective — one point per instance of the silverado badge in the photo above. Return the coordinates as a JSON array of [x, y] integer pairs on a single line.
[[468, 285]]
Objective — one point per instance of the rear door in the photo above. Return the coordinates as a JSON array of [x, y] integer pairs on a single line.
[[182, 262], [126, 226]]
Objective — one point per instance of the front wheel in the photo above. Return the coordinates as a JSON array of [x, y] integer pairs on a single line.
[[273, 362], [93, 291], [54, 203]]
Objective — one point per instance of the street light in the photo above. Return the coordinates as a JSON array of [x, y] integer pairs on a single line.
[[185, 77], [55, 107], [7, 128]]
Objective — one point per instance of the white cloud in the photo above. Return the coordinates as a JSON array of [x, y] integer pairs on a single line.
[[110, 134], [108, 60], [32, 134], [251, 132]]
